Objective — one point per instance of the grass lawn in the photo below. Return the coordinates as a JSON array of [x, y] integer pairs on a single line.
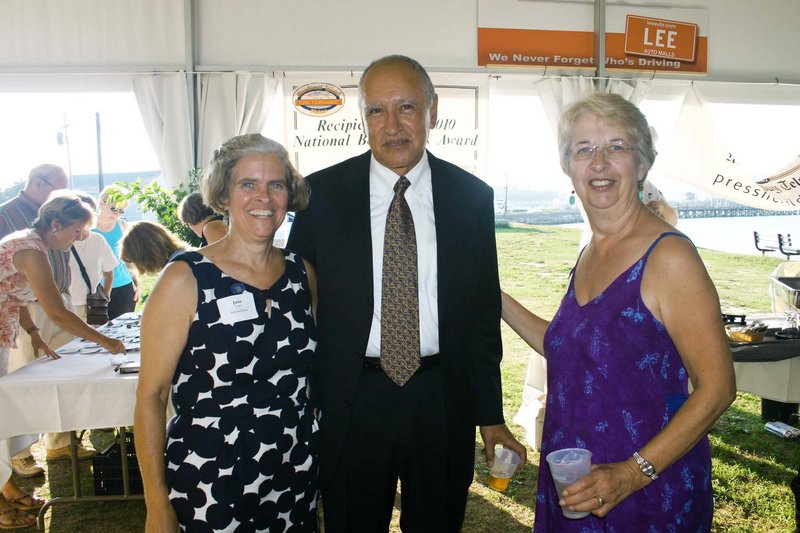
[[751, 468]]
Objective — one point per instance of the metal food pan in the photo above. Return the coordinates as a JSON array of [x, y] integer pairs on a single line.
[[787, 289]]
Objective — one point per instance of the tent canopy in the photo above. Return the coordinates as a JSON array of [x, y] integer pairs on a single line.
[[204, 70]]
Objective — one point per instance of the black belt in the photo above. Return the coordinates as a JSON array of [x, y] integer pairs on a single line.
[[429, 361]]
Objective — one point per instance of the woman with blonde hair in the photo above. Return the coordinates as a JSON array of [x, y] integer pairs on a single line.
[[149, 246], [125, 291], [25, 276]]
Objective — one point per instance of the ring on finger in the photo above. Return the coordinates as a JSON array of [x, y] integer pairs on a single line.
[[601, 501]]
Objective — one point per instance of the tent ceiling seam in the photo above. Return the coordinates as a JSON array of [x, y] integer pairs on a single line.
[[276, 70]]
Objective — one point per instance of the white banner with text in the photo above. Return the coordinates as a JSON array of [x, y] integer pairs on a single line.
[[699, 158], [316, 142]]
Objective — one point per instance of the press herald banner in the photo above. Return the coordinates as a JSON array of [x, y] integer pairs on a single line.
[[561, 35], [698, 157]]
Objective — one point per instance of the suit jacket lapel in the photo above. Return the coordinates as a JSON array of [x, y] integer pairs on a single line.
[[355, 198], [445, 211]]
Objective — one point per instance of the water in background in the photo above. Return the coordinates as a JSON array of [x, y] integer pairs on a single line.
[[735, 234]]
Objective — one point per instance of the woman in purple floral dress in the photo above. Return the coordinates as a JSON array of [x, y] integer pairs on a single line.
[[640, 321]]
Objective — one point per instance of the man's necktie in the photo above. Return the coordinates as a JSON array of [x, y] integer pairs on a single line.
[[400, 300]]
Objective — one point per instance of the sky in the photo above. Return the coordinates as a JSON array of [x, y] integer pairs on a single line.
[[32, 123]]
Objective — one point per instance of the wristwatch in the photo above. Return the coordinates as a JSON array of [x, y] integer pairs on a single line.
[[645, 466]]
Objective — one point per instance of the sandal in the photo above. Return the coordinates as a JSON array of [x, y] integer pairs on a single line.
[[15, 519], [26, 502]]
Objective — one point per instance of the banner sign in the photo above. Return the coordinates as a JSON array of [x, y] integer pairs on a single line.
[[660, 38], [317, 140], [555, 34], [698, 157]]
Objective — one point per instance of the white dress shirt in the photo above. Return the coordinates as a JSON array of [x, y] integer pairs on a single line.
[[419, 196]]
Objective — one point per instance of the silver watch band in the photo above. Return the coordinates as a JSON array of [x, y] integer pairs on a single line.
[[645, 466]]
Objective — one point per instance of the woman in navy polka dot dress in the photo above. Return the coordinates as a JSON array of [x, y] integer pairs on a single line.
[[229, 331]]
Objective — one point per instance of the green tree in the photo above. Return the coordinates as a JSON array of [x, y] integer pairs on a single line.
[[163, 202]]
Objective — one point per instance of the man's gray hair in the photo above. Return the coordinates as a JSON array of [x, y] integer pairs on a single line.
[[427, 84]]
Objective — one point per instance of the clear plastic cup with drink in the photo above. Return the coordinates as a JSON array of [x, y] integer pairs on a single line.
[[505, 463], [567, 466]]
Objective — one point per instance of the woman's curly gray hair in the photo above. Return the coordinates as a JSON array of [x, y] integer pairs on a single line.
[[215, 182]]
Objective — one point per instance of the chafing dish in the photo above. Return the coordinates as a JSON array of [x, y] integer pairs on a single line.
[[788, 290]]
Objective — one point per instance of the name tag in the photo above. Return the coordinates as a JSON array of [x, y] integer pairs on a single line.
[[237, 308]]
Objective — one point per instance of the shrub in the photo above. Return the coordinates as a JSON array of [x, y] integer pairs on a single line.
[[163, 202]]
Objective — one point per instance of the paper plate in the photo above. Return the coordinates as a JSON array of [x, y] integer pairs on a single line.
[[91, 349], [69, 349]]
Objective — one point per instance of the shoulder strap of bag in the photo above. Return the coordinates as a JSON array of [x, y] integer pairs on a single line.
[[83, 270]]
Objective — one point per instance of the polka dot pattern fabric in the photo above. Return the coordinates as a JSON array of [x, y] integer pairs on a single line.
[[241, 451]]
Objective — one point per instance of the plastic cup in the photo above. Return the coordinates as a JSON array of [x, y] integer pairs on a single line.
[[566, 467], [505, 463]]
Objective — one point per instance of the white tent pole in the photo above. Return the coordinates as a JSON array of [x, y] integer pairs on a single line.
[[191, 76], [600, 37]]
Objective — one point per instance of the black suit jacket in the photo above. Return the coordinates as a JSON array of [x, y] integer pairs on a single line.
[[333, 233]]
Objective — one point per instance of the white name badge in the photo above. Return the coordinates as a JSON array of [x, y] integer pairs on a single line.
[[236, 308]]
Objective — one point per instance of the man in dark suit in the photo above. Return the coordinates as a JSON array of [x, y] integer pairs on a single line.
[[377, 427]]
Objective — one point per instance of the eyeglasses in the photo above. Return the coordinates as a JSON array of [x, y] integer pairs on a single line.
[[48, 183], [117, 210], [611, 151]]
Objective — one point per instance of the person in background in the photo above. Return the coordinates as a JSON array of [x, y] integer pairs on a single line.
[[98, 260], [149, 246], [126, 290], [402, 404], [205, 223], [25, 277], [640, 320], [228, 333], [662, 209], [15, 215]]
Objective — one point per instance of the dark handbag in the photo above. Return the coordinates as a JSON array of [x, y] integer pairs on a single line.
[[96, 301]]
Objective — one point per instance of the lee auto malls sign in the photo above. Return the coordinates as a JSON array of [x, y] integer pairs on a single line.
[[660, 38]]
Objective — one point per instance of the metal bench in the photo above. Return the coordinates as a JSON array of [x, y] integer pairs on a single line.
[[785, 246], [766, 244]]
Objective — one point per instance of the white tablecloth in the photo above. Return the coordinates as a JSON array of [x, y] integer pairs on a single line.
[[774, 380], [78, 391]]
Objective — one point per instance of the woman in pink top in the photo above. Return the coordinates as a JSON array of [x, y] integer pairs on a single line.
[[25, 276]]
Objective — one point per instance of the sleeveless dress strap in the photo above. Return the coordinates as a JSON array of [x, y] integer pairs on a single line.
[[580, 254], [645, 256], [658, 239]]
